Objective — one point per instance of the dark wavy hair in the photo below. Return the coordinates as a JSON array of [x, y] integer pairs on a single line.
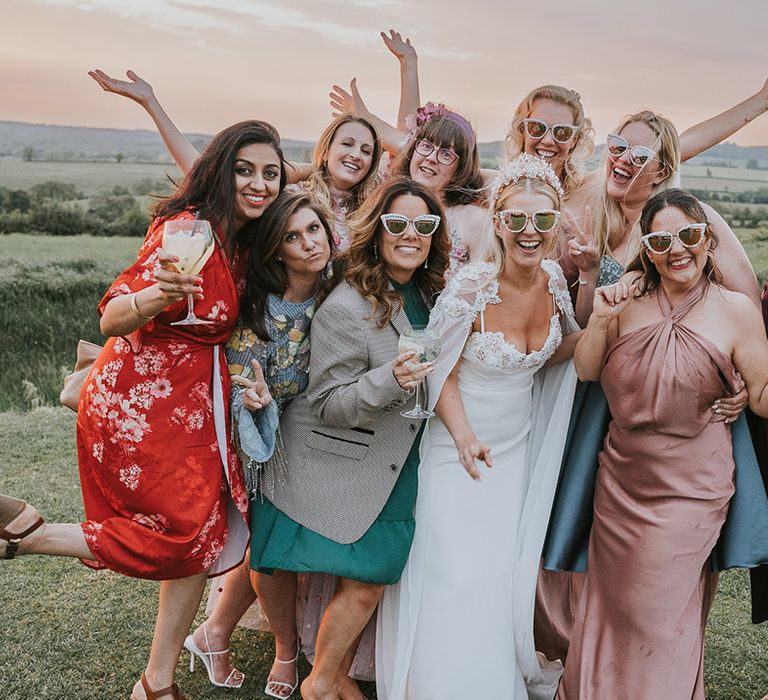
[[265, 273], [209, 186], [367, 273], [691, 207], [444, 133]]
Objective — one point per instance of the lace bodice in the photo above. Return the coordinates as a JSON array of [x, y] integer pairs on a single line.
[[467, 295], [491, 348]]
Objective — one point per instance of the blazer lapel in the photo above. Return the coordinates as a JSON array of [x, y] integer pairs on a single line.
[[400, 320]]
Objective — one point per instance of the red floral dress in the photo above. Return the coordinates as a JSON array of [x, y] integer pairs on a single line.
[[158, 470]]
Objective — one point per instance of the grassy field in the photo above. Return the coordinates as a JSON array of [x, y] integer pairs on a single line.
[[92, 177], [88, 177], [50, 289], [72, 633]]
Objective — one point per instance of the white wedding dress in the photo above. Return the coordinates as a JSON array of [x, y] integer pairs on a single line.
[[459, 624]]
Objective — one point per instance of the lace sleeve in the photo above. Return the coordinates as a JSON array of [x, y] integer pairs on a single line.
[[468, 292], [558, 287]]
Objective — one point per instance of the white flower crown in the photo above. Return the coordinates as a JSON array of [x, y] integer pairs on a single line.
[[525, 167]]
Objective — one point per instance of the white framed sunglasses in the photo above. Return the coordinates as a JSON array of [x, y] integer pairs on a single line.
[[516, 220], [638, 155], [397, 224], [690, 236], [537, 129]]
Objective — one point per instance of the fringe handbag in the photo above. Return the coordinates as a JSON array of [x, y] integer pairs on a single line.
[[87, 353]]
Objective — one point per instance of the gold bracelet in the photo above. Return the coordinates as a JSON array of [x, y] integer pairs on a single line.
[[135, 308]]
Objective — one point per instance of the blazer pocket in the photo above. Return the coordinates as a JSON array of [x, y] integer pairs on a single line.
[[336, 446]]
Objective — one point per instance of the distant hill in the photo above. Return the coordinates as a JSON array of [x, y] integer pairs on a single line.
[[75, 143]]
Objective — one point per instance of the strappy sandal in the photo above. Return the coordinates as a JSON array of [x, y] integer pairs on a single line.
[[10, 509], [291, 688], [207, 658], [172, 690]]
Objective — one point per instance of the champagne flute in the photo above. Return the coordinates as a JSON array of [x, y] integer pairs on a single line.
[[426, 344], [191, 240]]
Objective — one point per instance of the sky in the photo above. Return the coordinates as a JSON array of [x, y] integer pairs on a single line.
[[215, 62]]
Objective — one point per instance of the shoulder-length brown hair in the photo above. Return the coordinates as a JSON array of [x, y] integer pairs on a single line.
[[265, 273], [691, 207], [445, 133], [317, 183], [364, 270], [209, 186]]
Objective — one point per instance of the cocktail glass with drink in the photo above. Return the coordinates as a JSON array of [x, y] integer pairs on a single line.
[[426, 344], [191, 240]]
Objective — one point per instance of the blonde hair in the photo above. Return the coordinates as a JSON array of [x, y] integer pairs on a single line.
[[317, 183], [610, 224], [491, 248], [583, 141]]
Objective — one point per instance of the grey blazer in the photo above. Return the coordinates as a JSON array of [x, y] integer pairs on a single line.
[[345, 440]]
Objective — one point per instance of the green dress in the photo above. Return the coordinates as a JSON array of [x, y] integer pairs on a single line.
[[379, 556]]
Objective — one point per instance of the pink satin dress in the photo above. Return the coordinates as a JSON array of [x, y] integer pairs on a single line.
[[665, 480]]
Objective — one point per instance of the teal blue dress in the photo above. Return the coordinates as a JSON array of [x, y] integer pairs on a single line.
[[743, 536], [380, 555]]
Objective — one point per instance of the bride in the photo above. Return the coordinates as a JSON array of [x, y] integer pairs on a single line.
[[460, 622]]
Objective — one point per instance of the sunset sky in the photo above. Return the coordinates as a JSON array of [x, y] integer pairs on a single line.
[[214, 62]]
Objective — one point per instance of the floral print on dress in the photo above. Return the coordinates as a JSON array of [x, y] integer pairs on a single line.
[[459, 254], [154, 485], [284, 360]]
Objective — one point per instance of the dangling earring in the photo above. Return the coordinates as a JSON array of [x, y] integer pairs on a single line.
[[279, 259], [328, 273], [426, 264], [375, 250]]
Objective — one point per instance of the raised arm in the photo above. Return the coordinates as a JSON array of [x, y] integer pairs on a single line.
[[702, 136], [343, 102], [602, 327], [750, 354], [141, 92], [405, 53], [737, 271]]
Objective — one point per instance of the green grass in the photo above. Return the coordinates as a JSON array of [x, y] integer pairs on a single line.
[[755, 242], [88, 177], [114, 253], [72, 633], [50, 288]]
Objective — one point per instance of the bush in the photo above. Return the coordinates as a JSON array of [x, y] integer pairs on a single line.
[[148, 186], [14, 200], [59, 220], [53, 189], [15, 222], [132, 222], [111, 205]]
